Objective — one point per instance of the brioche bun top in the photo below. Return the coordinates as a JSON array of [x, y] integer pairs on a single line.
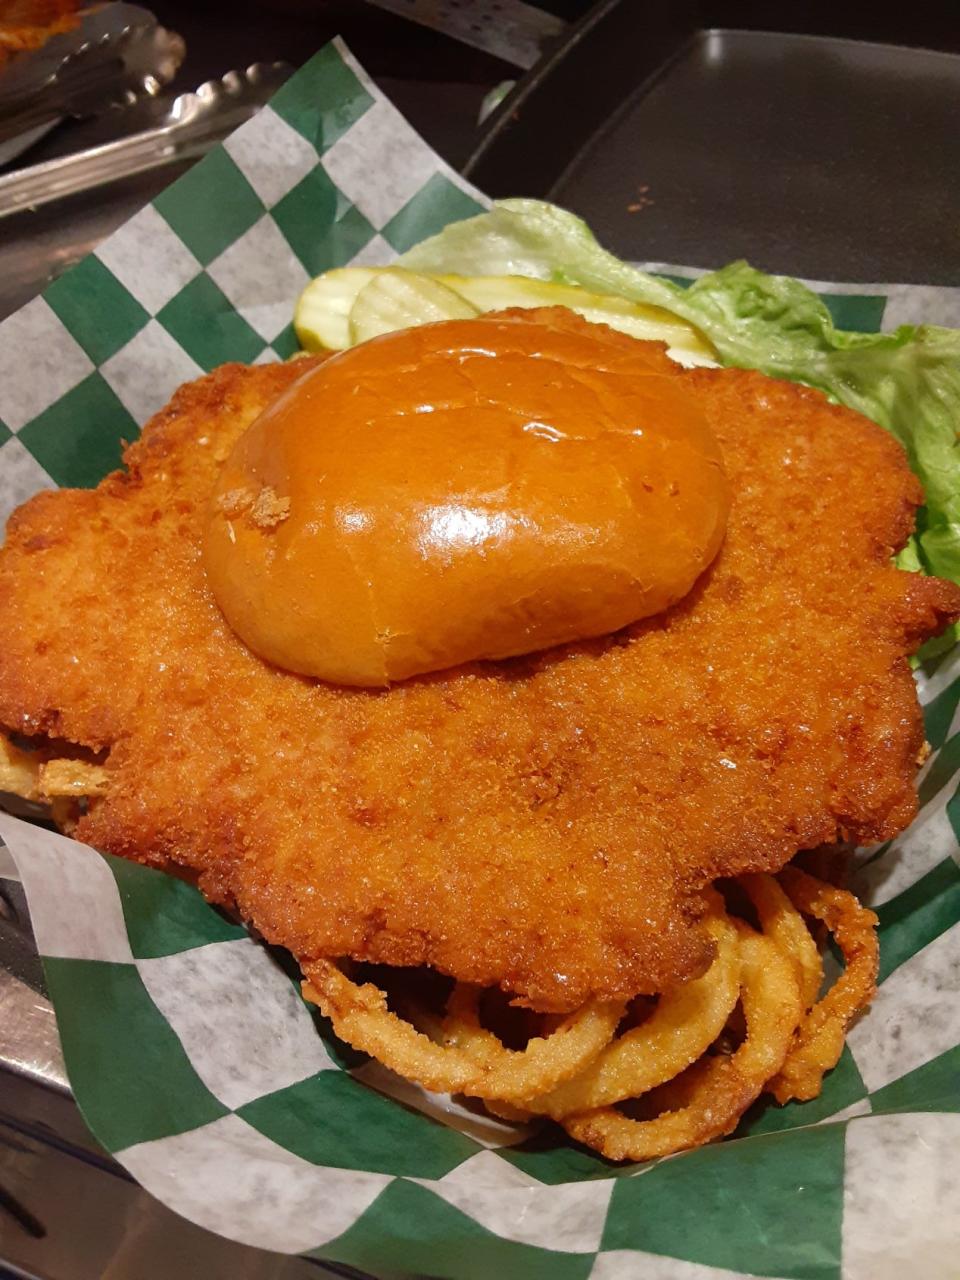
[[464, 490]]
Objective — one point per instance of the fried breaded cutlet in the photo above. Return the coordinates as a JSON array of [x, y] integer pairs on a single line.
[[545, 824]]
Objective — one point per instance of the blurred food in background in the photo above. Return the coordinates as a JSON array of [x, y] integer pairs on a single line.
[[26, 25]]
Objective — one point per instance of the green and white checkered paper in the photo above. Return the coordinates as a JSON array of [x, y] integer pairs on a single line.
[[189, 1049]]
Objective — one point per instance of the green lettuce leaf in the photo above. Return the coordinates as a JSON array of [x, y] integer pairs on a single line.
[[908, 381], [530, 238]]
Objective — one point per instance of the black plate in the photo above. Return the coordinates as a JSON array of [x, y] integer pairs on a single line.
[[828, 158]]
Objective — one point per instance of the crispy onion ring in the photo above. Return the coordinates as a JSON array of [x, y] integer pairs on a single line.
[[575, 1070], [782, 922], [684, 1024], [360, 1016], [819, 1039], [772, 1007], [513, 1075]]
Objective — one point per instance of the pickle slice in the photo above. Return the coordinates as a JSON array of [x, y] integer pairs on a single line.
[[351, 304], [322, 315], [685, 343], [399, 299]]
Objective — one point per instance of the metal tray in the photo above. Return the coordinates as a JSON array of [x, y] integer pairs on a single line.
[[812, 155]]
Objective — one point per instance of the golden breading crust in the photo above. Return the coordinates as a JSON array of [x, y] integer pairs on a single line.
[[546, 824]]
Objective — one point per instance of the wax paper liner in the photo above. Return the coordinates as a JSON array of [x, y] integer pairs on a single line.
[[190, 1052]]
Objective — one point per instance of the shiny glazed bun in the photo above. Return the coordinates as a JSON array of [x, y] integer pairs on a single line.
[[469, 489]]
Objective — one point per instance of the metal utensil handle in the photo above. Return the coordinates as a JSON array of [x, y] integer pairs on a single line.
[[46, 105], [199, 120], [96, 74], [43, 183]]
